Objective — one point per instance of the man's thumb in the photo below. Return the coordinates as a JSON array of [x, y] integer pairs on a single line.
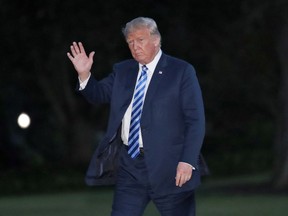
[[91, 55]]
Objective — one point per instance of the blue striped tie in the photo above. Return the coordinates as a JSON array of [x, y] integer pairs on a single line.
[[133, 140]]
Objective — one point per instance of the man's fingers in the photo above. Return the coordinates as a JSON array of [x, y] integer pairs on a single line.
[[75, 48], [81, 48], [72, 48], [181, 182], [177, 180], [181, 179], [70, 56]]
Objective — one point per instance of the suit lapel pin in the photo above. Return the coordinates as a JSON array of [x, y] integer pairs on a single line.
[[160, 72]]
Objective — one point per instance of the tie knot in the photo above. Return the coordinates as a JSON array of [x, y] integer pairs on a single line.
[[144, 68]]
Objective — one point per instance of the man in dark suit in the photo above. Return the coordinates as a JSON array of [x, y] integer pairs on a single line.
[[157, 111]]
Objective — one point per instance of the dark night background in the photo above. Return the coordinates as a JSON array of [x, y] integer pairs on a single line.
[[239, 49]]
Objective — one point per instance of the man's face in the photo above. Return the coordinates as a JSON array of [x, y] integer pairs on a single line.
[[143, 46]]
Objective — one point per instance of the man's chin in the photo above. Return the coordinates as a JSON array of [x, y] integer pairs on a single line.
[[140, 60]]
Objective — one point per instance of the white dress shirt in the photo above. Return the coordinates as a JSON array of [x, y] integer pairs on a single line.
[[127, 116]]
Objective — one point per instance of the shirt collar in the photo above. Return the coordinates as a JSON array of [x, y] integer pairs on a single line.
[[152, 65]]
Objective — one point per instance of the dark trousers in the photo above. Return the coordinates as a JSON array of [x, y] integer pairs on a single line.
[[133, 192]]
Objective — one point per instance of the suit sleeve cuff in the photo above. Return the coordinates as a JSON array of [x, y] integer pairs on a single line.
[[193, 168]]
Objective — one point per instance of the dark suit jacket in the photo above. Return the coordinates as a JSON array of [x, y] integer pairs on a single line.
[[172, 122]]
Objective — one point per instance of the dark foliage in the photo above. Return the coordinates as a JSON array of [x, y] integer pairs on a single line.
[[230, 43]]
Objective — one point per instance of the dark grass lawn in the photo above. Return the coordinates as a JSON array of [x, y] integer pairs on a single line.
[[247, 196]]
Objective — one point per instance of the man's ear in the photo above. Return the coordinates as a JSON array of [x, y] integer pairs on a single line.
[[156, 41]]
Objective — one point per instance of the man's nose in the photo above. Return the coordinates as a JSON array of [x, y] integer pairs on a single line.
[[135, 45]]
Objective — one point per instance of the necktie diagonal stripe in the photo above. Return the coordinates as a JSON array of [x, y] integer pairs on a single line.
[[138, 99]]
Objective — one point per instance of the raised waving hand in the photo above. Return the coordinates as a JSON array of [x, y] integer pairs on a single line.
[[82, 63]]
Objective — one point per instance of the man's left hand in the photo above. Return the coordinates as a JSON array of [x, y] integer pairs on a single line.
[[183, 174]]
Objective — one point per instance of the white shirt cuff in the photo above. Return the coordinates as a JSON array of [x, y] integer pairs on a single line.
[[82, 84]]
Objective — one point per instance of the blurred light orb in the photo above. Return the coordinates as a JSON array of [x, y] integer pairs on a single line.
[[23, 120]]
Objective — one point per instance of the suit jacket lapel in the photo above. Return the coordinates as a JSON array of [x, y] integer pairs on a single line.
[[130, 81], [157, 76], [131, 77]]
